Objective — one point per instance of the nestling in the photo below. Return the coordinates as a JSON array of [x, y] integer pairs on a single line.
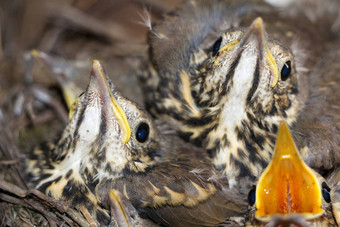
[[112, 145], [226, 87]]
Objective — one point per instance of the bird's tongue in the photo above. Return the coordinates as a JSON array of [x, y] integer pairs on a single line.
[[287, 185], [290, 185]]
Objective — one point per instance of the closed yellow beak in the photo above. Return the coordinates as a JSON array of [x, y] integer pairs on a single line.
[[258, 25], [100, 77], [257, 29]]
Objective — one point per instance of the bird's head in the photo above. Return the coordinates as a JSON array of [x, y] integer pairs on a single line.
[[288, 191], [249, 83], [107, 136], [123, 134], [248, 69]]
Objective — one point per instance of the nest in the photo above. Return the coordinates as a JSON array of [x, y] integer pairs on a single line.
[[32, 110]]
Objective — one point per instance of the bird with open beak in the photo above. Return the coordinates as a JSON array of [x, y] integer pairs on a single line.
[[225, 79], [289, 193], [111, 150]]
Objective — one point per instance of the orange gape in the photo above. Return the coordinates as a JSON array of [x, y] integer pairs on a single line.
[[287, 185]]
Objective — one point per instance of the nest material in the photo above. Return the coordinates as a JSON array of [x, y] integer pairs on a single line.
[[78, 30]]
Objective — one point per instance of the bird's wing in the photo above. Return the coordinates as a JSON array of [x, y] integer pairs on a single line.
[[179, 194], [318, 126]]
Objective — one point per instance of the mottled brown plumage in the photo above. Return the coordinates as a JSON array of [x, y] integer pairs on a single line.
[[317, 130], [111, 144], [225, 80]]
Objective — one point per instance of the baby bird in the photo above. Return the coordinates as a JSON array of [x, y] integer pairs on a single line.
[[289, 192], [111, 146], [226, 87]]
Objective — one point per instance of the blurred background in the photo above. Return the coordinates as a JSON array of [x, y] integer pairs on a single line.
[[75, 32]]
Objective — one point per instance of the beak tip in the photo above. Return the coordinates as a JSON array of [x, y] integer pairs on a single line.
[[95, 62], [97, 71], [96, 66], [284, 125], [284, 132], [34, 53], [258, 23], [40, 55]]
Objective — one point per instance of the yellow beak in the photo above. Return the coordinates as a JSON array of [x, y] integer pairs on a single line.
[[70, 91], [98, 75], [258, 25], [287, 185], [257, 29]]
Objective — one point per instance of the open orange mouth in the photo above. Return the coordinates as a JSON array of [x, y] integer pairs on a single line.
[[287, 185]]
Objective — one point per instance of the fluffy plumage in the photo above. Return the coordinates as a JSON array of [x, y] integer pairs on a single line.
[[212, 76], [164, 178]]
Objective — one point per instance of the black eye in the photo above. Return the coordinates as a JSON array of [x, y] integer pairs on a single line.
[[142, 132], [252, 196], [286, 70], [217, 46], [325, 192]]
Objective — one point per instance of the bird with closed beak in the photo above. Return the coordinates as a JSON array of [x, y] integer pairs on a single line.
[[111, 149], [225, 78]]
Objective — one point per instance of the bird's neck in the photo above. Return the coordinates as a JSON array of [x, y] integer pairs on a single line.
[[241, 146]]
